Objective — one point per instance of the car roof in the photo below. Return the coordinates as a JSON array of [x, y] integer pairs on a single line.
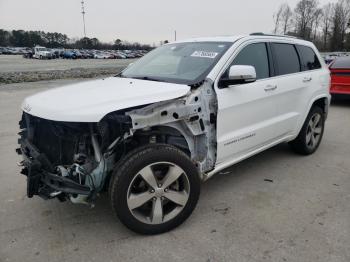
[[213, 39], [235, 38]]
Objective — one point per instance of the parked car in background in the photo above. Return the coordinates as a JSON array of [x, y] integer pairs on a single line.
[[130, 55], [11, 51], [110, 54], [57, 53], [174, 118], [119, 55], [77, 53], [69, 54], [86, 54], [328, 59], [29, 53], [101, 55], [41, 52], [340, 76]]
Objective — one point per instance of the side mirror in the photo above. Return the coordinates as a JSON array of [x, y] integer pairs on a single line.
[[239, 74]]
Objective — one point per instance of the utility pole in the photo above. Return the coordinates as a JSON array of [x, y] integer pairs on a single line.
[[83, 13]]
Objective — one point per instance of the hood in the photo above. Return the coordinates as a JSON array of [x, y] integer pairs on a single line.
[[91, 101]]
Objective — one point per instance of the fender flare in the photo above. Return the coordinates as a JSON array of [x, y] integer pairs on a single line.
[[311, 103]]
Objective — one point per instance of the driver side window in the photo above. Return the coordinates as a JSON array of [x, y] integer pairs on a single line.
[[254, 55]]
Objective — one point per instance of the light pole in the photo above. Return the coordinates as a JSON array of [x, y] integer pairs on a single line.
[[83, 13]]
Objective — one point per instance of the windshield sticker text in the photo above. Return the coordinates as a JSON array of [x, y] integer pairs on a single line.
[[205, 54]]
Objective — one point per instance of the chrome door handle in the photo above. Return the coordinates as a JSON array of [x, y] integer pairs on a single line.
[[307, 79], [270, 88]]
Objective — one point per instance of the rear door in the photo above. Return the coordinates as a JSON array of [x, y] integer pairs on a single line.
[[291, 82]]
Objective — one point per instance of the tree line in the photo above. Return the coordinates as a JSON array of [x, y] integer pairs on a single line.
[[21, 38], [327, 26]]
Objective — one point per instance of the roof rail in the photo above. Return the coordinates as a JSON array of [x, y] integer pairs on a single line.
[[262, 34]]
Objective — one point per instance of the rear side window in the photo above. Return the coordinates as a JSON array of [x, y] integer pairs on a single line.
[[255, 55], [309, 60], [286, 59]]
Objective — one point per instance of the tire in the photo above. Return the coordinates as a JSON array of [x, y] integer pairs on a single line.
[[310, 136], [165, 204]]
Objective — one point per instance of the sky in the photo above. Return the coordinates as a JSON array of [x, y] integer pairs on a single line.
[[145, 21]]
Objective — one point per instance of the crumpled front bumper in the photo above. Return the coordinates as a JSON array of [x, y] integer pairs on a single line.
[[41, 177]]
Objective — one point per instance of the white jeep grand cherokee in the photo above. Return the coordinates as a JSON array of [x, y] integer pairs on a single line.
[[174, 118]]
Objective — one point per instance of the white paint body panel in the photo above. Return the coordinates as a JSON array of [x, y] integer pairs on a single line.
[[91, 101], [249, 119]]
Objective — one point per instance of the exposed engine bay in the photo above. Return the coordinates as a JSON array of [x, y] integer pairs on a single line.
[[73, 161]]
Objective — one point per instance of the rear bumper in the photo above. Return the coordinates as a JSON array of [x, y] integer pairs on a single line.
[[41, 177]]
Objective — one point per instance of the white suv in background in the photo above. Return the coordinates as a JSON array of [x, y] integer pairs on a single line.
[[41, 52], [173, 119]]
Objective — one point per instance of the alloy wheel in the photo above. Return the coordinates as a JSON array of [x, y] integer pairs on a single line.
[[314, 131], [158, 193]]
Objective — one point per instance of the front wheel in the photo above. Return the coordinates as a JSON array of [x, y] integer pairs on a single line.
[[311, 133], [154, 189]]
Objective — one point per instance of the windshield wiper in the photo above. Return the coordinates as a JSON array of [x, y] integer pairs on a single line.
[[147, 78]]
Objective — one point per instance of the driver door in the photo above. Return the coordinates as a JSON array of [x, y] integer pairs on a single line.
[[247, 112]]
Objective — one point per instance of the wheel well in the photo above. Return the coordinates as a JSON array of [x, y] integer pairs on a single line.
[[322, 103], [153, 135], [162, 134]]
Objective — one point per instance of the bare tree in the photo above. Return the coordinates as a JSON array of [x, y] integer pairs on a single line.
[[304, 17], [326, 27], [345, 17], [316, 22], [340, 23], [286, 18], [326, 20], [277, 19]]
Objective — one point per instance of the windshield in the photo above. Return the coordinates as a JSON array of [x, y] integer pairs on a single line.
[[183, 63]]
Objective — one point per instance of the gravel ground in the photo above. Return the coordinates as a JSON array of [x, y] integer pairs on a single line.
[[16, 69], [301, 215]]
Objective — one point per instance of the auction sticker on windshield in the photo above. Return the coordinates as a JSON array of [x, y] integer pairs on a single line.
[[204, 54]]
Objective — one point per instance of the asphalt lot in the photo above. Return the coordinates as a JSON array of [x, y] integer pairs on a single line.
[[16, 69], [16, 63], [302, 215]]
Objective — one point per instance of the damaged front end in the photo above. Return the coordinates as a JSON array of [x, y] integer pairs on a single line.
[[73, 160], [69, 160]]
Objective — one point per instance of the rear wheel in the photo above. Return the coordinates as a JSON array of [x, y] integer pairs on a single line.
[[154, 189], [311, 133]]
